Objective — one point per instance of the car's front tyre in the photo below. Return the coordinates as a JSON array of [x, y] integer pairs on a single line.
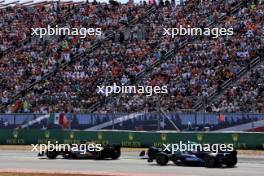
[[162, 159], [52, 154], [209, 161]]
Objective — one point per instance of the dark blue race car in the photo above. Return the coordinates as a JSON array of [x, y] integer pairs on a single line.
[[107, 152], [188, 158]]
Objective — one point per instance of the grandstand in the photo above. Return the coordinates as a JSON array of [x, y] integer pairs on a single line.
[[213, 83]]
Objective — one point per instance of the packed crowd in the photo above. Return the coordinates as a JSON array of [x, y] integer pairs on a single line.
[[196, 71], [246, 96], [16, 23], [30, 62], [199, 69]]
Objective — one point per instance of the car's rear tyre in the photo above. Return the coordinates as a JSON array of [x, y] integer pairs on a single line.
[[231, 161], [162, 159], [209, 162], [52, 154]]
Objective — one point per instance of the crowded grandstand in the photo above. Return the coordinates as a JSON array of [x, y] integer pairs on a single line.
[[212, 82]]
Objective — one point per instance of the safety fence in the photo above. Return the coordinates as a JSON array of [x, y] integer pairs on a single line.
[[196, 118]]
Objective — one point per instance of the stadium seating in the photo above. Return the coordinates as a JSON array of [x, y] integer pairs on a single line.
[[193, 73]]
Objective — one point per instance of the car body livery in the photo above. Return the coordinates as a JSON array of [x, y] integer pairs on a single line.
[[81, 152], [188, 158]]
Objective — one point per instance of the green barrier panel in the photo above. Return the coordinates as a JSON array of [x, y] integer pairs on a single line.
[[25, 137], [242, 140]]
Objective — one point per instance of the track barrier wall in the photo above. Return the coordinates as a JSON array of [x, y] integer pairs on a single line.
[[241, 140]]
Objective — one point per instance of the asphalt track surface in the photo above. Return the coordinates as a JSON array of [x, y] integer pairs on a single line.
[[128, 165]]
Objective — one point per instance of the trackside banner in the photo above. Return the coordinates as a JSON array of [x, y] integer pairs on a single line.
[[241, 140]]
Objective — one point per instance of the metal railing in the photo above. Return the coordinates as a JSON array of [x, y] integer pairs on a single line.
[[184, 118]]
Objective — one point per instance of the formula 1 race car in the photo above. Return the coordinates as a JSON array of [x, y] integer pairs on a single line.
[[188, 158], [84, 151]]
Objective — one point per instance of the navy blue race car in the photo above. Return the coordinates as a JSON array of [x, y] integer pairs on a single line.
[[188, 158]]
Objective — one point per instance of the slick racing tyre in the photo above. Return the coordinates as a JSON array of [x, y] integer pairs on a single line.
[[231, 161], [162, 159], [209, 162], [52, 154], [115, 154]]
